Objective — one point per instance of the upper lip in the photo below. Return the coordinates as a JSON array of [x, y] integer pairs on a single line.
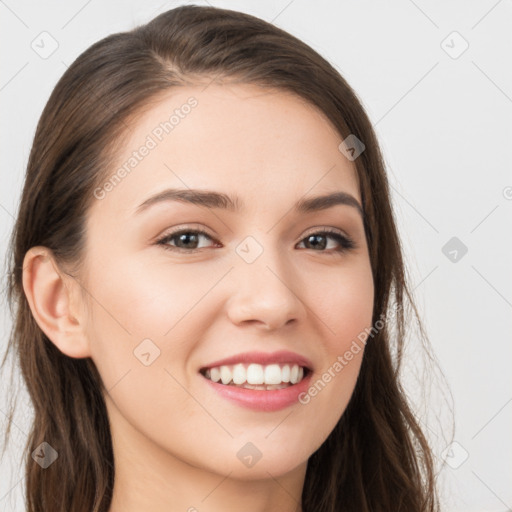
[[264, 358]]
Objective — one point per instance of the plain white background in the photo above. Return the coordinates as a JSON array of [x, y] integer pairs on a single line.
[[436, 80]]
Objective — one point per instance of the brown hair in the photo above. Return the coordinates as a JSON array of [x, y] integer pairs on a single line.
[[376, 458]]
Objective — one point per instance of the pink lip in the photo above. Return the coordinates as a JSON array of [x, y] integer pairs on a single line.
[[262, 400], [282, 356]]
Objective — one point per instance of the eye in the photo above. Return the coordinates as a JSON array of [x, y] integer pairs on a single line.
[[319, 239], [187, 240]]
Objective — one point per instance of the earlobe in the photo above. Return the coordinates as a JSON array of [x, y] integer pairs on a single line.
[[52, 297]]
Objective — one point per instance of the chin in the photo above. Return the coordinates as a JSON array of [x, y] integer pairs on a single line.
[[264, 469]]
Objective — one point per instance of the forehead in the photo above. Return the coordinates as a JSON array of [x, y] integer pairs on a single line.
[[259, 144]]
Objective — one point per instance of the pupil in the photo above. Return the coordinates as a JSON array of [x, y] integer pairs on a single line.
[[185, 236], [316, 244]]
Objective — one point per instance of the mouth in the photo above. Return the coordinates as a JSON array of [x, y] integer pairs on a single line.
[[261, 381], [264, 377]]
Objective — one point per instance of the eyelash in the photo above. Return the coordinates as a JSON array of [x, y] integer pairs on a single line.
[[346, 243]]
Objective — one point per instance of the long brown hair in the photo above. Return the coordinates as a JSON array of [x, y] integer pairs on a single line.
[[377, 457]]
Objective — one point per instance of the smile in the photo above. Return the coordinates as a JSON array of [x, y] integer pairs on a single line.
[[256, 376]]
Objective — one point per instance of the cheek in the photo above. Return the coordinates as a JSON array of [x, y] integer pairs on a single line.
[[144, 324], [141, 326], [344, 303], [137, 301], [345, 308]]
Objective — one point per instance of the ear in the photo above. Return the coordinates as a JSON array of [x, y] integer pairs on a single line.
[[55, 302]]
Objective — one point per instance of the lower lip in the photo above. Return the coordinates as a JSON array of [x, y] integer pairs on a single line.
[[262, 400]]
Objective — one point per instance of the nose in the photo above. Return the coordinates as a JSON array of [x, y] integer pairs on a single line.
[[263, 293]]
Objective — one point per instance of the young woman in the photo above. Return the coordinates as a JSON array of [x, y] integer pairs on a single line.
[[209, 287]]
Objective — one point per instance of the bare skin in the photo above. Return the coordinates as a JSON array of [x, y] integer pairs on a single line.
[[175, 439]]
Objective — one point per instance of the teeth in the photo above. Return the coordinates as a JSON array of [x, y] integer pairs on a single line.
[[256, 376], [294, 374], [225, 374], [239, 374], [215, 374], [272, 374]]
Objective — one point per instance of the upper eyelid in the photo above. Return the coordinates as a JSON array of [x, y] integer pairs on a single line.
[[177, 230], [186, 229]]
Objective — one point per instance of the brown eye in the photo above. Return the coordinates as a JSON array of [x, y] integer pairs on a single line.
[[185, 240], [319, 241]]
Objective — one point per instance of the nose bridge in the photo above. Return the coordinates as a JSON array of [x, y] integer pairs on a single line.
[[261, 255], [263, 277]]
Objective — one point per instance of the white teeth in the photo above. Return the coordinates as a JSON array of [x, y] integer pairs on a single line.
[[225, 374], [294, 374], [239, 374], [272, 374], [256, 376], [215, 374]]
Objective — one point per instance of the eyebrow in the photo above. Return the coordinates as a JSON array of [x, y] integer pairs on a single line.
[[218, 200]]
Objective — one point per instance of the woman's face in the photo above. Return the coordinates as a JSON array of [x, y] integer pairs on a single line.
[[259, 280]]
